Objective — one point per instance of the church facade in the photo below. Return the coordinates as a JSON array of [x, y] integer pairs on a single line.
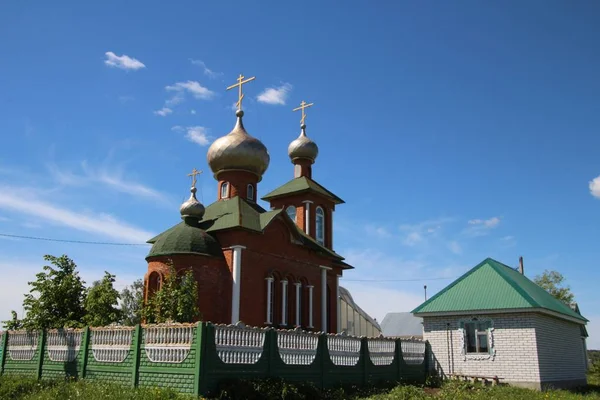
[[272, 267]]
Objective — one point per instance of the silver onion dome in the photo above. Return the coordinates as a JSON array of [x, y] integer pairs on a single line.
[[192, 208], [238, 151], [303, 147]]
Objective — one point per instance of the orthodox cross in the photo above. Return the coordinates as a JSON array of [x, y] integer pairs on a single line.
[[241, 81], [303, 105], [193, 175]]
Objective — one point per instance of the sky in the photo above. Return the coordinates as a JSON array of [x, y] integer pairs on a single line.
[[454, 131]]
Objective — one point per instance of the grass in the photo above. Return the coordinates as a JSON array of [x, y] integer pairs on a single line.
[[28, 389]]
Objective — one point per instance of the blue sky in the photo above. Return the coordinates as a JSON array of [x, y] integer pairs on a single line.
[[454, 131]]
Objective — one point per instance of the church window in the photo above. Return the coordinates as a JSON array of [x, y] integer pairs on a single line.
[[225, 190], [291, 212], [153, 283], [476, 336], [250, 193], [320, 225]]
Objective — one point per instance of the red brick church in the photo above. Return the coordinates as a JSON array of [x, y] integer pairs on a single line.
[[264, 268]]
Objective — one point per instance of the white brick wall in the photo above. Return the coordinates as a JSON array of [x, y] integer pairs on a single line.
[[530, 348], [516, 357], [560, 349]]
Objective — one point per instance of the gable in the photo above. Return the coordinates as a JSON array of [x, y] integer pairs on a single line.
[[302, 185]]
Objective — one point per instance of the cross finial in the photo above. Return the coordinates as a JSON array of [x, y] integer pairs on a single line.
[[303, 105], [241, 81], [193, 175]]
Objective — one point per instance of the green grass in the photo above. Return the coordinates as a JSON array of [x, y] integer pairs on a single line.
[[28, 389]]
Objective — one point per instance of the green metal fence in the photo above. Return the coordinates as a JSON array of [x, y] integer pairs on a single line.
[[197, 358]]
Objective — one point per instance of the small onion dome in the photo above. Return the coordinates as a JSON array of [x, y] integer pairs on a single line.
[[303, 147], [186, 238], [192, 208], [238, 151]]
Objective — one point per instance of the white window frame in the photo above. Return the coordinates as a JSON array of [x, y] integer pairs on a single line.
[[488, 355], [250, 192], [321, 217], [225, 188]]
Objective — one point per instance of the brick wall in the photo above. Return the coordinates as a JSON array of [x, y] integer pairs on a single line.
[[516, 358], [560, 349]]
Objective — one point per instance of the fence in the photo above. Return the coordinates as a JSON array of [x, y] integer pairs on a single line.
[[197, 358]]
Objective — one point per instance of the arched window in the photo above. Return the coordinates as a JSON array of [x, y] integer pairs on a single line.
[[225, 190], [320, 225], [291, 212], [250, 192], [153, 283]]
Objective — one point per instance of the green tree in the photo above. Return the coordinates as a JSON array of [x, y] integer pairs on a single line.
[[553, 283], [101, 302], [56, 297], [132, 303], [175, 301], [13, 324]]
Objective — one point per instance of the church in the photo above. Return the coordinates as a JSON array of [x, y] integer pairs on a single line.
[[262, 267]]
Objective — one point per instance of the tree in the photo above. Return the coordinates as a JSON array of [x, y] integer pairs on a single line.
[[101, 302], [553, 283], [175, 301], [56, 297], [13, 324], [132, 303]]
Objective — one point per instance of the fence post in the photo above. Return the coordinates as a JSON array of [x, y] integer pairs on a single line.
[[364, 355], [324, 354], [426, 359], [399, 358], [41, 345], [137, 342], [199, 383], [84, 345], [4, 345]]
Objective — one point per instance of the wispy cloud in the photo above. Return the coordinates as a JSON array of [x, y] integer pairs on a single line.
[[126, 99], [378, 231], [421, 231], [196, 134], [481, 227], [192, 87], [207, 71], [454, 247], [163, 112], [193, 112], [275, 95], [595, 187], [11, 198], [122, 62], [112, 178]]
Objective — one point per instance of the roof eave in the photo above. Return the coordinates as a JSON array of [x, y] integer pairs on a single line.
[[500, 311]]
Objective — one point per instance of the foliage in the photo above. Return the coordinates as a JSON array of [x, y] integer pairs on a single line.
[[175, 301], [594, 355], [132, 303], [13, 324], [553, 283], [101, 302], [56, 297]]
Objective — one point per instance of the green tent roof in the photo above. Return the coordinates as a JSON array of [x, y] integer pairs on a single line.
[[231, 214], [492, 285], [301, 185], [185, 238]]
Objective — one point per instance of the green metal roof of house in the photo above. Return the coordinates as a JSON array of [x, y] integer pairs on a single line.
[[185, 238], [229, 214], [300, 185], [492, 285]]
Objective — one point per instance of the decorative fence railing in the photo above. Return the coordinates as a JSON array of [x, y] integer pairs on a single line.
[[197, 358]]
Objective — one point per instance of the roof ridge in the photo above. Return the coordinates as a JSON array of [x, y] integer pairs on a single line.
[[497, 266]]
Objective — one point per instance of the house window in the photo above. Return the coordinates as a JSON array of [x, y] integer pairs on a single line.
[[477, 337], [225, 190], [320, 225], [250, 192], [291, 212]]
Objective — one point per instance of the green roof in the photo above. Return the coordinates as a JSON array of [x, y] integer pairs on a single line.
[[301, 185], [185, 238], [234, 213], [492, 285]]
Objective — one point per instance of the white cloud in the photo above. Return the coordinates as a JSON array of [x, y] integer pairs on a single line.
[[507, 238], [422, 231], [112, 178], [208, 72], [123, 62], [481, 227], [193, 112], [196, 134], [11, 198], [455, 247], [192, 87], [595, 187], [412, 239], [275, 95], [377, 231], [488, 223], [163, 112]]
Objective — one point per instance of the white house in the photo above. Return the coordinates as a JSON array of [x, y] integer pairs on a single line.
[[494, 321]]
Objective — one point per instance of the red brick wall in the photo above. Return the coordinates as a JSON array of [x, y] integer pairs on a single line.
[[238, 183]]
